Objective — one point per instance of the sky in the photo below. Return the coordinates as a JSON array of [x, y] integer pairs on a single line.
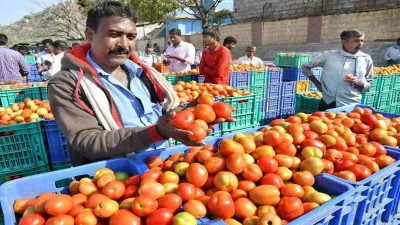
[[14, 10]]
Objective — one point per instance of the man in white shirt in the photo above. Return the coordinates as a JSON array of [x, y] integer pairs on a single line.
[[338, 89], [148, 57], [250, 58], [392, 55], [59, 49], [47, 57], [180, 54]]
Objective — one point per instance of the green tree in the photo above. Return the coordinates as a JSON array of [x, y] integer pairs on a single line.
[[200, 9], [148, 11]]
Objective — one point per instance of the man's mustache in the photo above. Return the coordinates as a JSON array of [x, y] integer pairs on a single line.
[[120, 50]]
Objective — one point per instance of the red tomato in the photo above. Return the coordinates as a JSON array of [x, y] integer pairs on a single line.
[[347, 175], [369, 119], [196, 208], [153, 161], [237, 193], [214, 164], [154, 175], [59, 204], [272, 138], [204, 112], [222, 110], [152, 189], [292, 190], [124, 217], [343, 165], [329, 167], [199, 133], [134, 180], [130, 191], [161, 216], [61, 220], [186, 191], [244, 208], [384, 161], [86, 217], [196, 174], [144, 205], [206, 99], [310, 135], [204, 155], [290, 208], [236, 163], [314, 143], [303, 178], [252, 173], [333, 155], [265, 195], [41, 200], [272, 179], [225, 181], [32, 219], [76, 209], [360, 171], [95, 199], [286, 149], [380, 149], [246, 185], [114, 190], [269, 219], [221, 205], [170, 201], [267, 164], [183, 119]]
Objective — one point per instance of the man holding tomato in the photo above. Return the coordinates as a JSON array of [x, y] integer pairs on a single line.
[[346, 73], [106, 101]]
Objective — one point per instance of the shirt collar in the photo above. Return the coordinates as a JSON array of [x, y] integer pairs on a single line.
[[350, 55], [132, 67]]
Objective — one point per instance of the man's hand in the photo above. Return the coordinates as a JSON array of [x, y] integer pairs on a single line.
[[167, 130], [357, 83]]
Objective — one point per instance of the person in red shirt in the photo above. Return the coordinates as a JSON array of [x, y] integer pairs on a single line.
[[214, 64]]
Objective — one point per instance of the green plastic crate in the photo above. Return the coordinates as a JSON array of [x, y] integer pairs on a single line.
[[172, 79], [369, 98], [398, 109], [395, 85], [42, 90], [259, 78], [4, 177], [246, 113], [384, 82], [30, 59], [9, 97], [383, 99], [22, 147], [60, 166], [395, 98], [259, 90], [295, 60], [306, 104]]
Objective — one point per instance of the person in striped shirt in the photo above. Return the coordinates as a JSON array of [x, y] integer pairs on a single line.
[[12, 64]]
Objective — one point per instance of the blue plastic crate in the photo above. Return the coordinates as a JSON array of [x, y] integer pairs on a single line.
[[33, 186], [273, 90], [288, 88], [288, 102], [274, 75], [34, 78], [293, 74], [240, 79], [378, 195], [200, 78], [285, 113], [57, 143], [271, 115], [273, 104]]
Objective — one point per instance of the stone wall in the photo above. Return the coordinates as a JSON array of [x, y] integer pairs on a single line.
[[267, 10]]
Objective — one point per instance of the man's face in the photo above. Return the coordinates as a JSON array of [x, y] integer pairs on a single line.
[[149, 51], [251, 53], [230, 46], [48, 48], [175, 39], [354, 44], [208, 40], [113, 42]]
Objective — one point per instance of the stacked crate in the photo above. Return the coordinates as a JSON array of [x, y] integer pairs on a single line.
[[384, 93], [273, 100]]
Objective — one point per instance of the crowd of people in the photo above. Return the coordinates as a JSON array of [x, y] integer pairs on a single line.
[[109, 102]]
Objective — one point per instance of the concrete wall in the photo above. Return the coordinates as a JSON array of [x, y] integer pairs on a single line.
[[242, 33], [256, 10], [285, 32]]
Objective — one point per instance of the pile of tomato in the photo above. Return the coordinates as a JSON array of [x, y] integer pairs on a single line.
[[262, 178]]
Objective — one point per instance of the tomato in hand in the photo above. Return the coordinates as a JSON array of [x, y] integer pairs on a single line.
[[204, 112], [221, 205], [183, 119], [32, 219], [222, 110], [198, 132], [206, 99]]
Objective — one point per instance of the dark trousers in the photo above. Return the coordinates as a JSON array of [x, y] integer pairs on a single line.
[[323, 106]]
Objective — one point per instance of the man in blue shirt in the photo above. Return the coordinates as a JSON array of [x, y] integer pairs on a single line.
[[105, 100]]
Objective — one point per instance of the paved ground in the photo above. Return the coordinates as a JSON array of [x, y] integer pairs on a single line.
[[375, 49]]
